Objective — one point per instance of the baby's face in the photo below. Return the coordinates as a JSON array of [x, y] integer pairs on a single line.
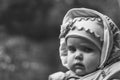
[[83, 56]]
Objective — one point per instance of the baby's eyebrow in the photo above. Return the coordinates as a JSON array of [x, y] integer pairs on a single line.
[[84, 46], [87, 45]]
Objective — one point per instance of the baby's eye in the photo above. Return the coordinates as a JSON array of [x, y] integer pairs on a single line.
[[72, 48], [87, 49]]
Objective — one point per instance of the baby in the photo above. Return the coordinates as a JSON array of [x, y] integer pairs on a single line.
[[89, 46]]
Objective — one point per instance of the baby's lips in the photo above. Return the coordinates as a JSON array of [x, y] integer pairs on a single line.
[[79, 66]]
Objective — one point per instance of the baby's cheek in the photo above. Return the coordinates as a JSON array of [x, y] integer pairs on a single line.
[[70, 60], [91, 63]]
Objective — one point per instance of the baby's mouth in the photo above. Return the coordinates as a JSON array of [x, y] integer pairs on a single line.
[[79, 66]]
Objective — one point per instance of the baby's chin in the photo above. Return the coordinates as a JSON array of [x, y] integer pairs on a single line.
[[79, 69], [80, 72]]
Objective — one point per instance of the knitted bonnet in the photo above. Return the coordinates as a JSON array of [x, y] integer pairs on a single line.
[[94, 26], [90, 28]]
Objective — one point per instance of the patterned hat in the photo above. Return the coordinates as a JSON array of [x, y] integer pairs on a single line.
[[90, 28], [79, 21]]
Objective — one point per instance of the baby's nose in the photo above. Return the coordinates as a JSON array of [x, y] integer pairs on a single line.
[[79, 55]]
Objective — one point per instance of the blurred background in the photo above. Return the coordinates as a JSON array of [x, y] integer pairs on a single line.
[[29, 31]]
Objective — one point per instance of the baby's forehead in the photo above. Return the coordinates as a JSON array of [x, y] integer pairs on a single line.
[[79, 42]]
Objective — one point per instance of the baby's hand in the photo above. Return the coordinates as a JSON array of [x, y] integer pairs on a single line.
[[57, 76]]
